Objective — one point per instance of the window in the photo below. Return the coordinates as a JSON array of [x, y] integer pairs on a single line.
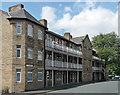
[[39, 55], [40, 75], [18, 53], [30, 76], [19, 27], [57, 76], [30, 30], [30, 53], [39, 34], [49, 75], [18, 75]]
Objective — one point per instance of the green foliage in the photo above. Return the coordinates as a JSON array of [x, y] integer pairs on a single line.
[[108, 47]]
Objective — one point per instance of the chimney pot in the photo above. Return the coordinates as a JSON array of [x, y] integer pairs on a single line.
[[68, 36], [43, 22], [16, 7]]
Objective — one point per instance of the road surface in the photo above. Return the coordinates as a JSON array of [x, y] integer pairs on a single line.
[[101, 87]]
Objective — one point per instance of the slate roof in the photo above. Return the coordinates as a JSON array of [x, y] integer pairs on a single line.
[[62, 37], [3, 12], [78, 40], [23, 14]]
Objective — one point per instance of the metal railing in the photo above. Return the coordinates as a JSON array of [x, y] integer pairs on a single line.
[[60, 64], [96, 58], [97, 68], [54, 45]]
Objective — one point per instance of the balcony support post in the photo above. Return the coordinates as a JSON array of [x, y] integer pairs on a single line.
[[46, 80], [67, 61], [67, 77], [62, 77], [52, 78], [77, 76], [52, 59], [100, 75], [77, 62]]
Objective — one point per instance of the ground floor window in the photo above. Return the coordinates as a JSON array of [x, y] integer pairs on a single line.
[[59, 75], [30, 76], [40, 75], [18, 75]]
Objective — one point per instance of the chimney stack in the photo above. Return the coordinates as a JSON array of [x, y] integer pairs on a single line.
[[43, 22], [68, 36], [16, 7]]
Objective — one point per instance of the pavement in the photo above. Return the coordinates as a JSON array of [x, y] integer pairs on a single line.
[[58, 88]]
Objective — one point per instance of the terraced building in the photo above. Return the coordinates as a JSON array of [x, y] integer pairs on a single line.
[[32, 57]]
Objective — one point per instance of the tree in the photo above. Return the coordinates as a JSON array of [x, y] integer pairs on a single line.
[[108, 48]]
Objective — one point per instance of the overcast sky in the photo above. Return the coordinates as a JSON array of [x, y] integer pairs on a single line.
[[78, 18]]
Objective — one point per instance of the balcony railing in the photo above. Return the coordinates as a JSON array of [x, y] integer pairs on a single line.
[[95, 58], [54, 45], [60, 64], [97, 68]]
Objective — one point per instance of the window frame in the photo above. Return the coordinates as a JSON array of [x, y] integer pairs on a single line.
[[32, 76], [17, 24], [17, 50], [30, 32], [30, 50], [40, 52], [40, 72], [20, 75], [40, 34]]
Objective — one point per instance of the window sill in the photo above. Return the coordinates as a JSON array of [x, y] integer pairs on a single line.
[[29, 81], [18, 57], [39, 60], [18, 81], [39, 80], [40, 39], [30, 58]]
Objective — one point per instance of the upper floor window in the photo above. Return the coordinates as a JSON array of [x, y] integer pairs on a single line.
[[18, 51], [30, 30], [30, 53], [18, 75], [39, 34], [19, 27], [40, 75], [47, 37], [39, 55], [29, 76]]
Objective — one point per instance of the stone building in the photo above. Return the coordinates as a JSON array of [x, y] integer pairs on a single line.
[[32, 57]]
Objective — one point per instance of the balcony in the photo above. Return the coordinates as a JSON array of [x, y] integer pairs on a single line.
[[97, 68], [60, 64], [96, 58], [54, 45]]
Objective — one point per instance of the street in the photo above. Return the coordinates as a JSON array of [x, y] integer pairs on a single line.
[[101, 87]]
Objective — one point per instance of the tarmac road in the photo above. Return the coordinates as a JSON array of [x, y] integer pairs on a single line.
[[101, 87]]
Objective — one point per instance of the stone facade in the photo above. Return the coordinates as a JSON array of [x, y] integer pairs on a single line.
[[87, 59], [9, 61]]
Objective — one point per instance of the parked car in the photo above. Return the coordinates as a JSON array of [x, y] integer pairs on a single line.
[[116, 77]]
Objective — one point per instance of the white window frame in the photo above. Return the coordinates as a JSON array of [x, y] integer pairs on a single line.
[[30, 30], [41, 54], [27, 76], [39, 34], [17, 50], [30, 50], [16, 75], [19, 24], [40, 72]]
